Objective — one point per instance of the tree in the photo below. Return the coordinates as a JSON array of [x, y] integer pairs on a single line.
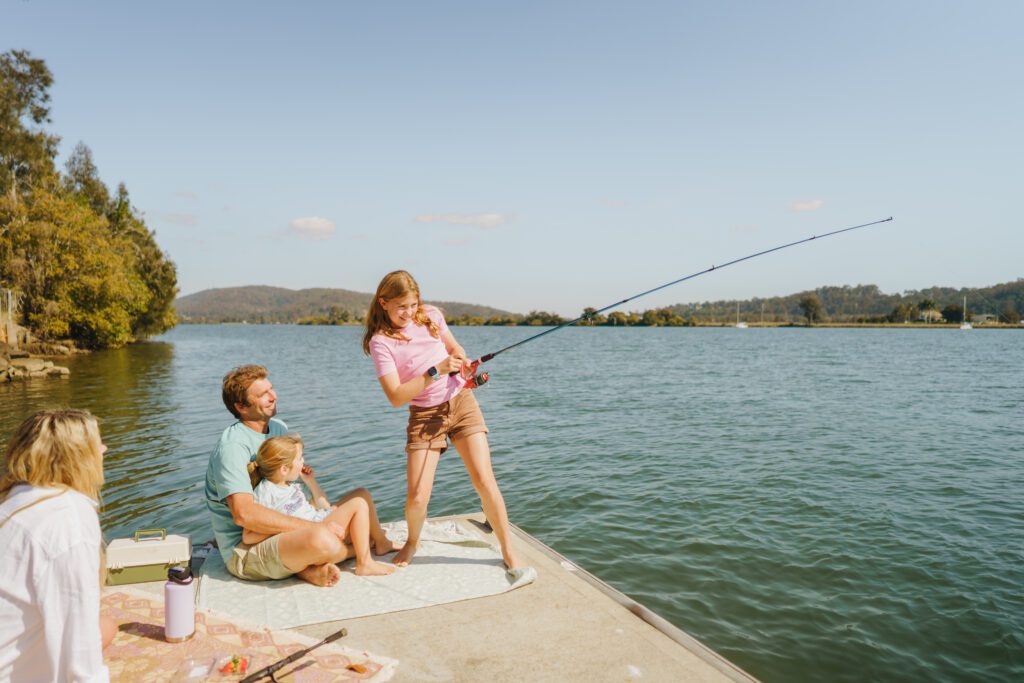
[[83, 180], [158, 273], [1010, 316], [75, 278], [953, 313], [26, 153], [902, 313], [811, 307], [617, 319], [591, 317]]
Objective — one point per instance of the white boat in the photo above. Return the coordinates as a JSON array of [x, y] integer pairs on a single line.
[[739, 325], [964, 325]]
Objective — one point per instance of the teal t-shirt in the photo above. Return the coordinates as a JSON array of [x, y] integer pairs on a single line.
[[228, 474]]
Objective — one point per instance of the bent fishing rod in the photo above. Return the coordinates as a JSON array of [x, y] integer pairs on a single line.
[[474, 380]]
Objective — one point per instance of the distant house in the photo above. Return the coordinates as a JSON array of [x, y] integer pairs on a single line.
[[930, 316], [984, 318]]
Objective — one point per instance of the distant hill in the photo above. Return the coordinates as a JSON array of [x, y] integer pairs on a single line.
[[261, 304], [858, 303]]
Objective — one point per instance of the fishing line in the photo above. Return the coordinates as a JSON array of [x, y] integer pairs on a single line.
[[473, 380]]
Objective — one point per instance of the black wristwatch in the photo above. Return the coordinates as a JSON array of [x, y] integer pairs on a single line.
[[432, 372]]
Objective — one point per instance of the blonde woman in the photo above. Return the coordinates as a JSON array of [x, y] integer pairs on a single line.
[[50, 565]]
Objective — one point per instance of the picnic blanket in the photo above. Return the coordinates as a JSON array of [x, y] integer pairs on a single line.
[[140, 653], [451, 564]]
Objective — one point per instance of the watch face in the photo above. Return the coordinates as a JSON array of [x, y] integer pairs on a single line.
[[432, 371]]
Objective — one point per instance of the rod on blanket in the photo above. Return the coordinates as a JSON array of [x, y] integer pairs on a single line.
[[273, 668]]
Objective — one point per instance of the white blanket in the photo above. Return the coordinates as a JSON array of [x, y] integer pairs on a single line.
[[451, 564]]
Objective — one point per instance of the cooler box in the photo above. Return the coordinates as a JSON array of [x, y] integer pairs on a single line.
[[147, 557]]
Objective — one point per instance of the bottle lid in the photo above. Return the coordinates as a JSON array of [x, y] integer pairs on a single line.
[[181, 575]]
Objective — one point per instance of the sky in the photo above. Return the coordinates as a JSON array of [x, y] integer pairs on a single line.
[[551, 155]]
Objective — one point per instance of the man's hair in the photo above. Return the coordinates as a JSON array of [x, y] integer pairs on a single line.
[[235, 388]]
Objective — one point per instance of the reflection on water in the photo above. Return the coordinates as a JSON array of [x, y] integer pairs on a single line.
[[815, 505]]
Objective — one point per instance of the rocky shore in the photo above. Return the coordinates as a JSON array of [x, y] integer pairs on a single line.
[[15, 365]]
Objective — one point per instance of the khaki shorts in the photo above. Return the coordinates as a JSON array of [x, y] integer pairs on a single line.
[[429, 428], [258, 562]]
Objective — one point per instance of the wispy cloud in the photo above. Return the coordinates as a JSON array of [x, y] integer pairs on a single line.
[[185, 194], [313, 228], [807, 205], [484, 221], [188, 219]]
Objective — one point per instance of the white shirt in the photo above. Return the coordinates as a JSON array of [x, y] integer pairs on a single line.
[[50, 588], [289, 499]]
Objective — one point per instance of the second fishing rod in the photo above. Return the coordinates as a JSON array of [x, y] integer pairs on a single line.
[[473, 379]]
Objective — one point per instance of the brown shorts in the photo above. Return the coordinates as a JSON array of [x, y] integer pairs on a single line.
[[258, 562], [429, 428]]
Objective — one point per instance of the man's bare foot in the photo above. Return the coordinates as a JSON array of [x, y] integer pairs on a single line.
[[374, 568], [404, 556], [385, 546], [321, 574]]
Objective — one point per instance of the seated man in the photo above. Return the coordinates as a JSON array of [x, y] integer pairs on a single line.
[[295, 546]]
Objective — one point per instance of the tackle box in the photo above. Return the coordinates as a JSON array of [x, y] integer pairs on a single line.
[[146, 557]]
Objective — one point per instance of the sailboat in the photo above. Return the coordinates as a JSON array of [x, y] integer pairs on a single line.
[[739, 325], [964, 325]]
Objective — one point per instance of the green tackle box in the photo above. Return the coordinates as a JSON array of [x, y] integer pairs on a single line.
[[146, 557]]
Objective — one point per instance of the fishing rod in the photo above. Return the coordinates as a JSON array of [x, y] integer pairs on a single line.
[[276, 666], [474, 380]]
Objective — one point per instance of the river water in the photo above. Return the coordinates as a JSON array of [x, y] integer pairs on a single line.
[[827, 504]]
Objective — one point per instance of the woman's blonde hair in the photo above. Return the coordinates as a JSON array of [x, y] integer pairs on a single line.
[[274, 453], [55, 449], [395, 285]]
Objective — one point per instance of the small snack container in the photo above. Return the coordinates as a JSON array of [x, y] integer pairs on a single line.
[[147, 557]]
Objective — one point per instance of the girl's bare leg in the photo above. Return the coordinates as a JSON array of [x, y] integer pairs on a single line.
[[476, 454], [353, 516], [382, 545], [420, 467]]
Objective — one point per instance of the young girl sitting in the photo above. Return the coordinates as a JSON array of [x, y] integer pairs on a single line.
[[279, 462]]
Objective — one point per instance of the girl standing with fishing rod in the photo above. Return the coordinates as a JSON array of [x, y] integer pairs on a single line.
[[413, 352]]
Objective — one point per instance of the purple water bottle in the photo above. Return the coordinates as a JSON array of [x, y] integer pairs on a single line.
[[179, 605]]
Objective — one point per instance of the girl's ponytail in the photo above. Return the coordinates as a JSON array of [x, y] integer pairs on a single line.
[[254, 473]]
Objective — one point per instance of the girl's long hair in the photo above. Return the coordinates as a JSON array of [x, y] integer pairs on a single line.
[[55, 449], [395, 285], [274, 453]]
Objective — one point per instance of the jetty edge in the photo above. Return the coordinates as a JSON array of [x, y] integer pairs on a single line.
[[566, 626]]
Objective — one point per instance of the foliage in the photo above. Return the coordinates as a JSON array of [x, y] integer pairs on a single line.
[[86, 265], [811, 306], [26, 151], [954, 313]]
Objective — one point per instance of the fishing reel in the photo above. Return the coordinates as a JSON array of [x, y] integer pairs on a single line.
[[469, 376]]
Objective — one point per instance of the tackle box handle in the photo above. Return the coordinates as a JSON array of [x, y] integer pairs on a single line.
[[143, 532]]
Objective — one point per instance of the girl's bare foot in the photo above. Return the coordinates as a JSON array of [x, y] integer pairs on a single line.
[[321, 574], [404, 556], [374, 568], [511, 560], [383, 546]]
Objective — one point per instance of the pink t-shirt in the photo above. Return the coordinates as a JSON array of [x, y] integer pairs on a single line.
[[412, 358]]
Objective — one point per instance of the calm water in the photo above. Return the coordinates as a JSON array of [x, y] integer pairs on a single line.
[[812, 504]]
